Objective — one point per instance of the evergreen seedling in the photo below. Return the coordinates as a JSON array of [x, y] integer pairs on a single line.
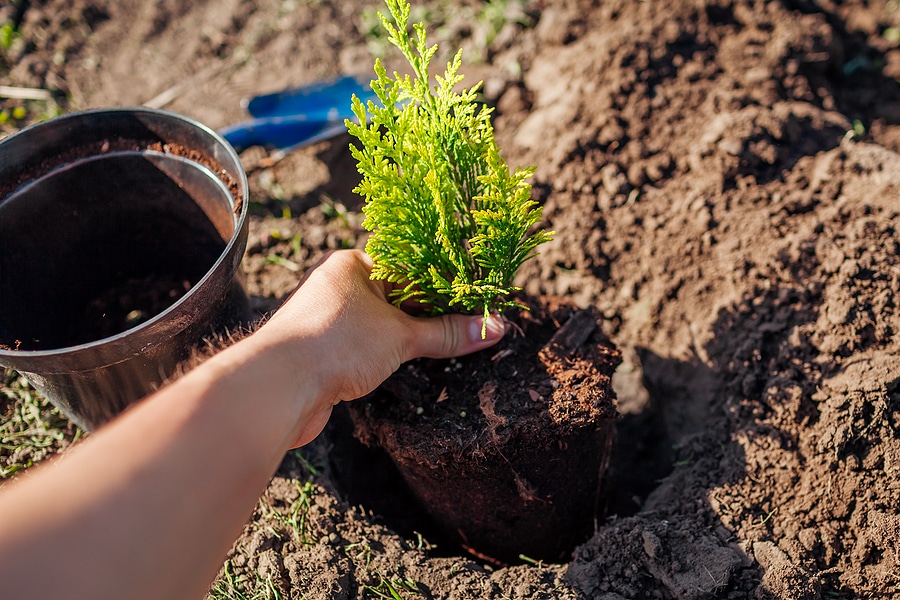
[[450, 224]]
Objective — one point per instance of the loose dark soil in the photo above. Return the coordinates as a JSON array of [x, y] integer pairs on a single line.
[[126, 306], [723, 179]]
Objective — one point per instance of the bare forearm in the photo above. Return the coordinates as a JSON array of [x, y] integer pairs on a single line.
[[171, 485], [148, 507]]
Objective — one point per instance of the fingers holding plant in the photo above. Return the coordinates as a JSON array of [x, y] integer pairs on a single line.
[[360, 337]]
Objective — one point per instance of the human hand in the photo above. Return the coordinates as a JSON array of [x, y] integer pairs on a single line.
[[342, 321]]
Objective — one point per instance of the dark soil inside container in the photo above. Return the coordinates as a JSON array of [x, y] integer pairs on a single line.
[[118, 242], [131, 303]]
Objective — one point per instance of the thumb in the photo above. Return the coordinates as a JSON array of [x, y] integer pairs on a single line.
[[455, 335]]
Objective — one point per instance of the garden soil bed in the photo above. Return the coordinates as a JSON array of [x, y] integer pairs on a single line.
[[724, 182]]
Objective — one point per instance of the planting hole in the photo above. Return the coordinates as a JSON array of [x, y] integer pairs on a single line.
[[366, 476]]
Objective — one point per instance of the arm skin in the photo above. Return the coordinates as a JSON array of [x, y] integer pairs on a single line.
[[149, 505]]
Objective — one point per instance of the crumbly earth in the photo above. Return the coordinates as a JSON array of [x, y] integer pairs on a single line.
[[724, 183]]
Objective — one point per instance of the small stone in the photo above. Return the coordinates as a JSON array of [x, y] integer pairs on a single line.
[[652, 545]]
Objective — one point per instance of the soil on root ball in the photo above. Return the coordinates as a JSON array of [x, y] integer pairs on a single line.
[[506, 449]]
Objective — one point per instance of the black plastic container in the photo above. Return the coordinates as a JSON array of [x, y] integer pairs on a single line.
[[121, 237]]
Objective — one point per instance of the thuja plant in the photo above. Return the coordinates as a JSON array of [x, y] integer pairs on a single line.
[[449, 223]]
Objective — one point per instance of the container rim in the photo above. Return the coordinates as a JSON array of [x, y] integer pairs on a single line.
[[233, 250]]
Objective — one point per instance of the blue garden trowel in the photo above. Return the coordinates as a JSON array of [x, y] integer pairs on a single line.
[[291, 119]]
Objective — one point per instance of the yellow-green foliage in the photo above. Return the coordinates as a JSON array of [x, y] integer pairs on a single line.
[[450, 224]]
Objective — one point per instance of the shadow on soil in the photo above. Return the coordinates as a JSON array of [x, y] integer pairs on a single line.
[[367, 477], [855, 75], [694, 412]]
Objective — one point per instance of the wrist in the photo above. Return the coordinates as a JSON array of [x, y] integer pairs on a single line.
[[282, 375]]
